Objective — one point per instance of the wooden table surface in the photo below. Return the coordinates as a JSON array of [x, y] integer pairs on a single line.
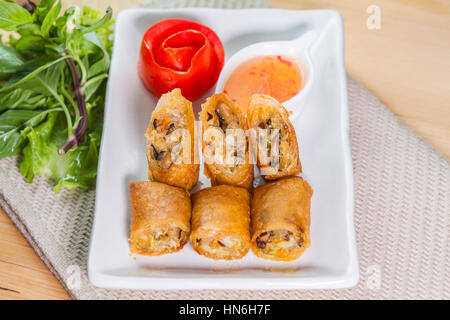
[[406, 64]]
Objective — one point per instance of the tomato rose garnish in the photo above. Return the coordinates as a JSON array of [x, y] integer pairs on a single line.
[[179, 53]]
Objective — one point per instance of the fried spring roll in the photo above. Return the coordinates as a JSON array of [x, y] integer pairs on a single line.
[[221, 117], [276, 145], [281, 219], [160, 218], [170, 142], [221, 222]]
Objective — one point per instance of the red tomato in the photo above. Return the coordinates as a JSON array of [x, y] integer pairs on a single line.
[[178, 53]]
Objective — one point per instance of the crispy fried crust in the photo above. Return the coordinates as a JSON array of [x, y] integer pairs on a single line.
[[282, 205], [263, 108], [231, 117], [156, 206], [172, 112], [219, 213]]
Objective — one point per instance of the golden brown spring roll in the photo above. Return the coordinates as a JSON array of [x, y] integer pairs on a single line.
[[160, 218], [277, 154], [218, 116], [170, 142], [221, 222], [281, 219]]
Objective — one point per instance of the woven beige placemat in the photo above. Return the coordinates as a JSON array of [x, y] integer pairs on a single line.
[[402, 193]]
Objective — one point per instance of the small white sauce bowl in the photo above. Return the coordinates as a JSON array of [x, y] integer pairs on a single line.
[[297, 50]]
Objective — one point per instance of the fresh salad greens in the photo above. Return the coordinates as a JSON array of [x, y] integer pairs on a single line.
[[53, 71]]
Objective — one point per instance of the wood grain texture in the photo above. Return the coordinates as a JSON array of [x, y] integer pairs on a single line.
[[22, 274], [405, 64]]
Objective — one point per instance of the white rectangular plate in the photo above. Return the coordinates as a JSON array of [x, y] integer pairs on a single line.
[[322, 130]]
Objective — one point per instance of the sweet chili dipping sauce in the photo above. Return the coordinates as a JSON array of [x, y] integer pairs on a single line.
[[271, 75]]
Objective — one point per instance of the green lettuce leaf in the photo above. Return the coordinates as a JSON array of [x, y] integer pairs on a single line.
[[76, 168], [42, 9], [21, 99], [50, 18], [68, 22], [29, 29], [39, 111], [13, 16], [10, 61], [103, 27], [11, 122]]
